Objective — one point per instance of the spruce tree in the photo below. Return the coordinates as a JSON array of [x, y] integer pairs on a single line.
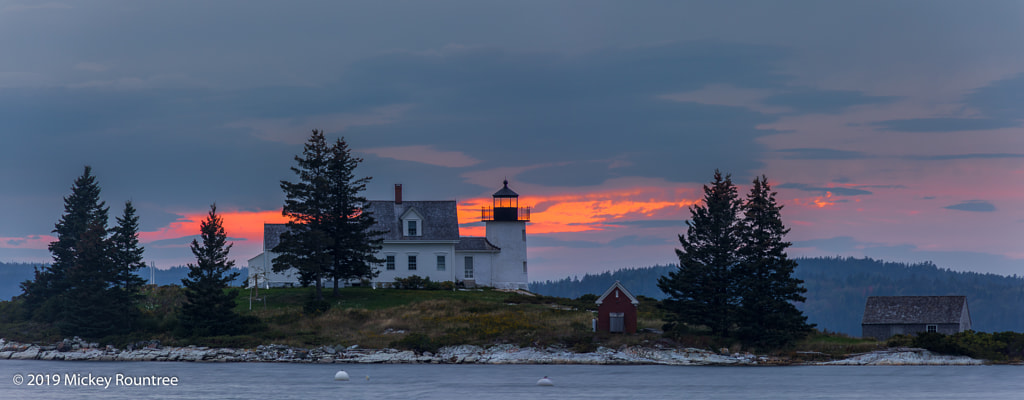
[[209, 309], [306, 245], [703, 290], [355, 243], [768, 318], [90, 304], [46, 295], [127, 260]]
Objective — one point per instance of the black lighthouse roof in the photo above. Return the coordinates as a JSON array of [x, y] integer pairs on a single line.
[[506, 192]]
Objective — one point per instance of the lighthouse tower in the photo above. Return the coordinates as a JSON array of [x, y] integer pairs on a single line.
[[506, 229]]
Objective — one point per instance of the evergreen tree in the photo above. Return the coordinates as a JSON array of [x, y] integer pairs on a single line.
[[209, 309], [127, 260], [329, 235], [89, 304], [355, 243], [306, 245], [703, 291], [83, 211], [768, 317]]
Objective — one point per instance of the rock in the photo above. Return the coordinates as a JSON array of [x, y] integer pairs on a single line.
[[28, 354]]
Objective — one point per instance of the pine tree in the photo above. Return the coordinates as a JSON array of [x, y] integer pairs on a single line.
[[355, 244], [306, 245], [703, 290], [768, 317], [127, 260], [46, 294], [209, 309]]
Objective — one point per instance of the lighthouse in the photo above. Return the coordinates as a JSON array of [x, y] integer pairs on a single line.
[[505, 223]]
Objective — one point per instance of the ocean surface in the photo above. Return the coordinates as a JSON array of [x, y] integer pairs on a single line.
[[172, 380]]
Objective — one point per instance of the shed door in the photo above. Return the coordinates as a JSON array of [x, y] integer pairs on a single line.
[[616, 322]]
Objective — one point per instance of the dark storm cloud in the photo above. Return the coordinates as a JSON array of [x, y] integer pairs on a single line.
[[810, 101], [973, 205], [510, 108]]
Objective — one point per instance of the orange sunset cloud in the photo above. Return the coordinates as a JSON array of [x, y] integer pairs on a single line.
[[564, 213]]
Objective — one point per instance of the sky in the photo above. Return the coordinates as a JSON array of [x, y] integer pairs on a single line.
[[889, 129]]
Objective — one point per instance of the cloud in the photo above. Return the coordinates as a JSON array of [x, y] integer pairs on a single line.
[[821, 154], [91, 67], [973, 205], [835, 190], [814, 101], [971, 156], [424, 154], [36, 6], [944, 124], [296, 130]]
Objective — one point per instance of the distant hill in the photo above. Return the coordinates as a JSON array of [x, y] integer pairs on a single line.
[[13, 274], [837, 289]]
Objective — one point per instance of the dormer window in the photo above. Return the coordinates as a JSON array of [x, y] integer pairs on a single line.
[[412, 223]]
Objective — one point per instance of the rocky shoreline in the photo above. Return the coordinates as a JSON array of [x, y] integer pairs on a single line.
[[79, 350]]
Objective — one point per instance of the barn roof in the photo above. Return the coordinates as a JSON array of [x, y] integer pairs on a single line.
[[914, 309], [617, 284]]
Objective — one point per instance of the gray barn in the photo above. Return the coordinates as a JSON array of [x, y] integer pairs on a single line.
[[885, 316]]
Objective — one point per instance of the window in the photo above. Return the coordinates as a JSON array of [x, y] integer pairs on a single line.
[[469, 267], [524, 267], [390, 262], [412, 263], [412, 228], [524, 235], [932, 328], [440, 263]]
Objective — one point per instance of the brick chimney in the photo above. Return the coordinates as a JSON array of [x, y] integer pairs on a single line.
[[398, 193]]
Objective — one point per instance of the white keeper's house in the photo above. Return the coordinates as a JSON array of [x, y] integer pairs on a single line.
[[423, 239]]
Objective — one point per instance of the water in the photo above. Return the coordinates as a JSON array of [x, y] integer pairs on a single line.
[[307, 381]]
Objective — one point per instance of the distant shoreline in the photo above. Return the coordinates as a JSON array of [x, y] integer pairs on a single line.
[[78, 350]]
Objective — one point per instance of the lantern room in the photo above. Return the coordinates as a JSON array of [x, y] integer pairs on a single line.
[[505, 207]]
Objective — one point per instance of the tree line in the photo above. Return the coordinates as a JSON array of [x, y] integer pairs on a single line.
[[93, 289], [838, 287]]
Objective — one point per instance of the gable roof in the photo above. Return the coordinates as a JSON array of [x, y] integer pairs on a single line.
[[914, 309], [440, 219], [617, 284]]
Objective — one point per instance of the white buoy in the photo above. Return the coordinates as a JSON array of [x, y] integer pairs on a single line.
[[545, 382], [341, 376]]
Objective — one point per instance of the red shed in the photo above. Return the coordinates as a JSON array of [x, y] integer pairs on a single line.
[[616, 310]]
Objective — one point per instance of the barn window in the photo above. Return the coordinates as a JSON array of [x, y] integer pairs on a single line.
[[932, 328]]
